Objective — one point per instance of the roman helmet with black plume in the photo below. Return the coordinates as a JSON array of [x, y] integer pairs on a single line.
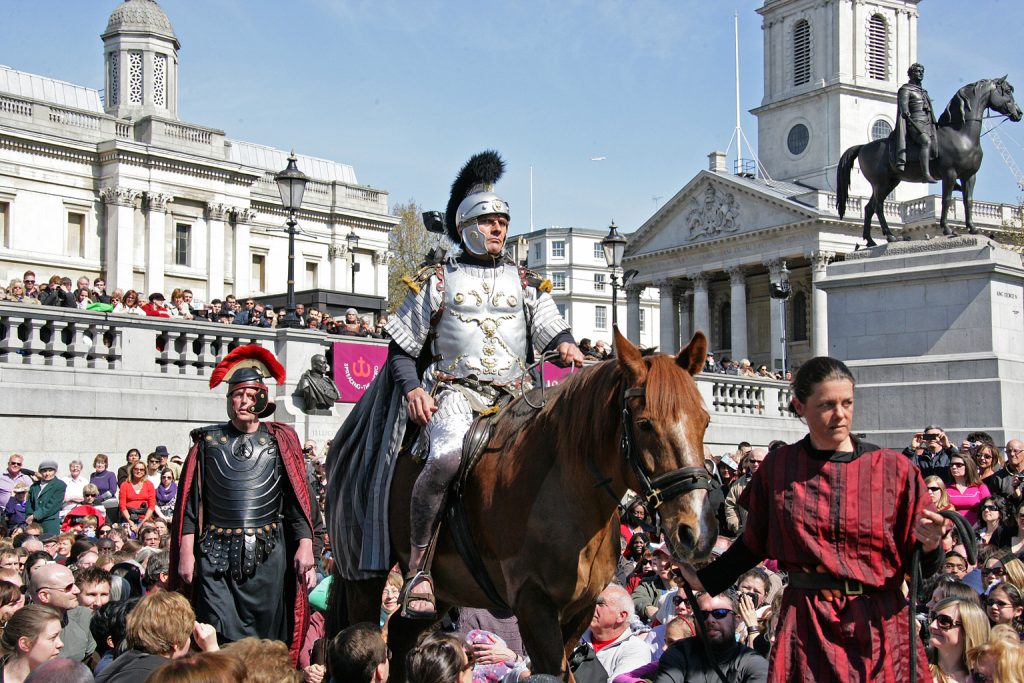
[[473, 196], [247, 367]]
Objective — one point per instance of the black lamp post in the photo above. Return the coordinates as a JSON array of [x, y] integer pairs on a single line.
[[291, 183], [780, 291], [614, 245], [352, 242]]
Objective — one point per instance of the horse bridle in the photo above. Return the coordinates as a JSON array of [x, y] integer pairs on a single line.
[[663, 487]]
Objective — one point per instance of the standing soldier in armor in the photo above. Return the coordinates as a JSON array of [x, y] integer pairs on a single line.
[[915, 122], [242, 540], [479, 316]]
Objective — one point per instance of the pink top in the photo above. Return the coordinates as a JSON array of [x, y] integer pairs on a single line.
[[968, 502]]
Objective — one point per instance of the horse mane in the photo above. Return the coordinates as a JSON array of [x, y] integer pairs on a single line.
[[956, 111]]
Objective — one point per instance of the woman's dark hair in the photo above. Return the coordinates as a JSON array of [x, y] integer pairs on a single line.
[[629, 546], [136, 451], [1016, 599], [437, 658], [27, 622], [78, 548], [814, 372], [9, 593], [130, 572], [109, 621], [954, 588], [34, 557]]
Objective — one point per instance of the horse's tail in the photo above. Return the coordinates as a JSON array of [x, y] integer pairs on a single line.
[[843, 177]]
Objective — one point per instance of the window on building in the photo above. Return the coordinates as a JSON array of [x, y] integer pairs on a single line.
[[76, 234], [258, 280], [643, 320], [600, 317], [725, 325], [799, 308], [562, 312], [538, 250], [114, 87], [182, 244], [880, 129], [558, 249], [598, 251], [801, 53], [5, 224], [598, 282], [160, 80], [135, 77], [878, 48], [558, 281], [312, 269]]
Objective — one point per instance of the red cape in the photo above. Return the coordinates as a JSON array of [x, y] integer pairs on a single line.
[[295, 465]]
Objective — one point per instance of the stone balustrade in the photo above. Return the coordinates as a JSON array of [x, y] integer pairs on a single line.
[[77, 383]]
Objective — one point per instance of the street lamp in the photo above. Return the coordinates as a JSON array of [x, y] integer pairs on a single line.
[[352, 242], [291, 183], [781, 291], [614, 245]]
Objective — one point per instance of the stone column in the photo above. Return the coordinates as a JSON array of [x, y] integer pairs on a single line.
[[775, 307], [215, 214], [119, 231], [633, 313], [241, 260], [701, 314], [156, 245], [738, 311], [819, 302], [685, 328], [380, 273], [336, 256], [669, 318]]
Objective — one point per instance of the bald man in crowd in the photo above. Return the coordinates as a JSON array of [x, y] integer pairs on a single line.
[[54, 585]]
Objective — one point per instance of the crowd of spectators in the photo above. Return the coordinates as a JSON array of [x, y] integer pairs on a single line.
[[92, 295], [84, 565], [742, 368]]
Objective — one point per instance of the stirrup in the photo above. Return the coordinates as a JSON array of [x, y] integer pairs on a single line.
[[406, 596]]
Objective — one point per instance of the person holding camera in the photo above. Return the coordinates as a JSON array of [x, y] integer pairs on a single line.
[[931, 450]]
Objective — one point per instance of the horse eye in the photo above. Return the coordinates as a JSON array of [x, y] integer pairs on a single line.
[[645, 424]]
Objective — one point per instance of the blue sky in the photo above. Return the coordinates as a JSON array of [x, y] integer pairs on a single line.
[[407, 91]]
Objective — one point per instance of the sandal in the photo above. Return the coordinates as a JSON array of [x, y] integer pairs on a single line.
[[406, 598]]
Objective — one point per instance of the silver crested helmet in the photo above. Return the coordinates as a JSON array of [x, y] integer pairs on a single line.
[[473, 207]]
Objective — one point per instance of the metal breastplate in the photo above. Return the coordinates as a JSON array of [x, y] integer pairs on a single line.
[[242, 500], [241, 479], [918, 108], [482, 331]]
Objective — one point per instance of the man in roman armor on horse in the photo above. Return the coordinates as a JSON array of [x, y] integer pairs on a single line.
[[915, 123], [473, 320]]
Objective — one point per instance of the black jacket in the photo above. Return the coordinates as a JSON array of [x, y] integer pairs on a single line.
[[131, 667], [686, 662]]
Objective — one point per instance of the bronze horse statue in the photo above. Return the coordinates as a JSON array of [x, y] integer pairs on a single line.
[[958, 135], [546, 533]]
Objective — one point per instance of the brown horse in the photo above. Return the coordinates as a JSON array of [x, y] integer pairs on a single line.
[[547, 535]]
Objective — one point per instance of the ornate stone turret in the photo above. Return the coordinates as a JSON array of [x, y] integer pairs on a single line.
[[141, 56]]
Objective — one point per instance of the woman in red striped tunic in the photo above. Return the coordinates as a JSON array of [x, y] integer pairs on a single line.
[[841, 517]]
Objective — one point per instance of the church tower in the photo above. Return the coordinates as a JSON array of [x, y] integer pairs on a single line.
[[831, 72], [141, 62]]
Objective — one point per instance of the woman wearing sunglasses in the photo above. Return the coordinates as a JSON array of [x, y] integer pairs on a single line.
[[137, 499], [992, 528], [842, 517], [937, 491], [989, 460], [967, 490], [956, 626], [1005, 605]]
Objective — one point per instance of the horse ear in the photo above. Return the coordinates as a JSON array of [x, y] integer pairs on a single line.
[[630, 359], [693, 356]]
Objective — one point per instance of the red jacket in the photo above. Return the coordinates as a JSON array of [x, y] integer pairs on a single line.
[[156, 311]]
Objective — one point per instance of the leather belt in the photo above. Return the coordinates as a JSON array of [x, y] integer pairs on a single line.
[[815, 582]]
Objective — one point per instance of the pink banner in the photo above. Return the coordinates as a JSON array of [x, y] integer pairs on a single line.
[[555, 375], [355, 366]]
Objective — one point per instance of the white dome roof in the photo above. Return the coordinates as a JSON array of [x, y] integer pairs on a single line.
[[139, 15]]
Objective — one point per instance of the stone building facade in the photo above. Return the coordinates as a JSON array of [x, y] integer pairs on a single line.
[[116, 185]]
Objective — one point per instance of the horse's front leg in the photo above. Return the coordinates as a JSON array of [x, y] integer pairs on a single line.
[[879, 201], [947, 199], [967, 192], [541, 631]]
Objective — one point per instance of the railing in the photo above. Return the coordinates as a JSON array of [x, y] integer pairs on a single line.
[[363, 194], [16, 107], [733, 395], [123, 130], [74, 119], [188, 133]]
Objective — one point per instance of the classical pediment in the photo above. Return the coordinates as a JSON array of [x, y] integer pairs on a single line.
[[713, 207]]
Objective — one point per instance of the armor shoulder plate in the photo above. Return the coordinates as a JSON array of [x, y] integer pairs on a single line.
[[415, 282], [198, 433], [532, 279]]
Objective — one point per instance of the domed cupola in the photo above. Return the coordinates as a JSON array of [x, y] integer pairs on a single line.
[[141, 55]]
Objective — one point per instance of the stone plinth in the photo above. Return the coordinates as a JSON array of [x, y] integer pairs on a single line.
[[933, 331]]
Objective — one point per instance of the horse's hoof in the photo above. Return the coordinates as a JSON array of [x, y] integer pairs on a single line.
[[906, 238], [871, 243], [973, 230], [892, 238], [948, 232]]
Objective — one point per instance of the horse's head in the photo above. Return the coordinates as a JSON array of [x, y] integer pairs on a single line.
[[664, 421], [1001, 99]]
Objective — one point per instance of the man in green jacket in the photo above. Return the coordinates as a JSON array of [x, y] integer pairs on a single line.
[[45, 498]]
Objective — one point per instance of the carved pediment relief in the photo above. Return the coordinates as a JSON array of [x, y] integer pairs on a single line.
[[711, 212]]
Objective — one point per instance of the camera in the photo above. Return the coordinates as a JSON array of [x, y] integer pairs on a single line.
[[929, 437], [754, 599]]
